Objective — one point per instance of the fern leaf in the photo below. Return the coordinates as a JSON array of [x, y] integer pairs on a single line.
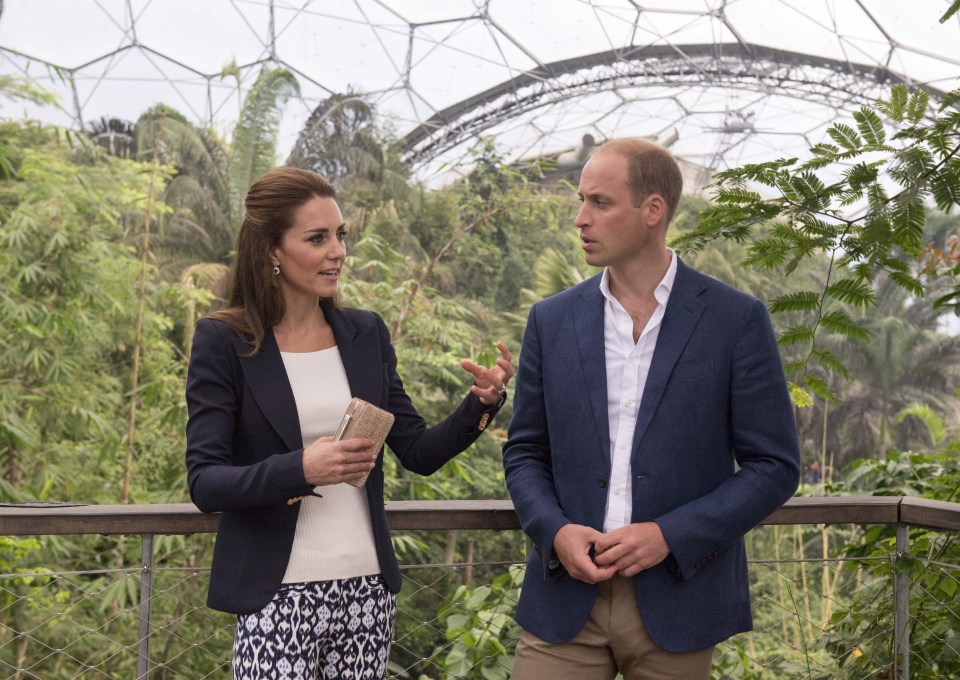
[[845, 136], [830, 361], [952, 98], [945, 187], [908, 222], [909, 283], [824, 149], [861, 174], [895, 108], [795, 367], [870, 126], [917, 106], [819, 387], [852, 292], [795, 335], [801, 301], [951, 10], [840, 322]]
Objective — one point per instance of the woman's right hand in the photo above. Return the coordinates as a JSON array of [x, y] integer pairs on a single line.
[[326, 462]]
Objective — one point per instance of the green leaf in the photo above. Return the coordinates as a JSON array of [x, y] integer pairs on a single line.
[[945, 187], [845, 136], [801, 301], [736, 195], [908, 222], [953, 9], [794, 367], [861, 175], [768, 253], [799, 396], [819, 387], [951, 299], [852, 291], [908, 282], [917, 106], [830, 361], [952, 98], [870, 126], [840, 322], [897, 105], [795, 335]]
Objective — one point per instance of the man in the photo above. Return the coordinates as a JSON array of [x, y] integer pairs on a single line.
[[652, 428]]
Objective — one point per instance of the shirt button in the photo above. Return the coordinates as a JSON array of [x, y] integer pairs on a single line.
[[618, 492], [627, 404], [633, 361], [621, 445]]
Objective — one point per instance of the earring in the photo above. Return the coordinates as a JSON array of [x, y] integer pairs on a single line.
[[276, 270]]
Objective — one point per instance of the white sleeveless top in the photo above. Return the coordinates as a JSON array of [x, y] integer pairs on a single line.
[[334, 536]]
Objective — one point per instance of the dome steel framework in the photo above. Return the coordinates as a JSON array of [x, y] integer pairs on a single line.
[[724, 81]]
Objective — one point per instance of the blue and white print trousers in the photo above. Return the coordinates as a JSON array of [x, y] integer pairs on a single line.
[[325, 629]]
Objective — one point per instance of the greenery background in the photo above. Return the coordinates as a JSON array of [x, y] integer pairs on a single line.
[[115, 242]]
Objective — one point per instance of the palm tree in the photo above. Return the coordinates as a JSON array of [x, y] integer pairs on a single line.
[[907, 360], [206, 193], [341, 142]]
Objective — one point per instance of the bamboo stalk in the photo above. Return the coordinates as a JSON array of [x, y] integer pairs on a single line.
[[138, 327]]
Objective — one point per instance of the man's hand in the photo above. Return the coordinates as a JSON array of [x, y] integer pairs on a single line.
[[573, 544], [631, 549]]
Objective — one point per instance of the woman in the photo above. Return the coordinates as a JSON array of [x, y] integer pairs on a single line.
[[304, 559]]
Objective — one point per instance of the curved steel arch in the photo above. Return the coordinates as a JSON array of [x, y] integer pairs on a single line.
[[831, 82]]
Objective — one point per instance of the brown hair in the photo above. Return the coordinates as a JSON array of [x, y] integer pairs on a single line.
[[255, 302], [651, 169]]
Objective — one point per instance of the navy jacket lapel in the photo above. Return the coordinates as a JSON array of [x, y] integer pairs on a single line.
[[684, 309], [267, 379], [360, 350], [588, 322]]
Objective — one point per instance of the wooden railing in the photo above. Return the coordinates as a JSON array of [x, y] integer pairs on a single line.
[[149, 521], [184, 518]]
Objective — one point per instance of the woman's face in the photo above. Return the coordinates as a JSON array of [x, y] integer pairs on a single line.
[[311, 252]]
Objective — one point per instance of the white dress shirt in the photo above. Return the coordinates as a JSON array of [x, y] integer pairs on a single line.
[[628, 364]]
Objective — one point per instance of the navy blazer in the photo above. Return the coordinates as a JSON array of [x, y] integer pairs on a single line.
[[245, 450], [714, 452]]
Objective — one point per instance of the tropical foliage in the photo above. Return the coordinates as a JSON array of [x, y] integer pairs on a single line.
[[114, 243], [859, 201]]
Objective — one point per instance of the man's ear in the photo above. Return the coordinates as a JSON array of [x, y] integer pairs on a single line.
[[657, 209]]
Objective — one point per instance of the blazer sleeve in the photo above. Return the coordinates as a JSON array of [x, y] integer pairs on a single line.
[[223, 471], [423, 449], [764, 441], [527, 462]]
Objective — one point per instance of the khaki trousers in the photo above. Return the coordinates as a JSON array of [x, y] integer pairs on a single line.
[[613, 640]]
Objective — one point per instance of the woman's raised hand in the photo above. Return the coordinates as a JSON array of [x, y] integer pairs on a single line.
[[490, 384], [326, 462]]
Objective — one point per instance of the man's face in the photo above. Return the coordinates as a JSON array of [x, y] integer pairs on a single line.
[[613, 232]]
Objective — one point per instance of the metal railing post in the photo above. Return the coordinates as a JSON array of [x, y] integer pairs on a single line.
[[901, 604], [146, 599]]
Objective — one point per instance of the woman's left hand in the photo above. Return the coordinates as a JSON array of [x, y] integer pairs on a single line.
[[490, 384]]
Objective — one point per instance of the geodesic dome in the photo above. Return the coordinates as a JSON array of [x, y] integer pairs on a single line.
[[724, 82]]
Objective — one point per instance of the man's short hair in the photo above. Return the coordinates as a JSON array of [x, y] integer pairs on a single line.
[[651, 169]]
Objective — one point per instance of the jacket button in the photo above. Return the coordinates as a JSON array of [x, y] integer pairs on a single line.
[[602, 483]]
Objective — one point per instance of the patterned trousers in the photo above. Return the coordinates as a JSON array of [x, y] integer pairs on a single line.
[[325, 629]]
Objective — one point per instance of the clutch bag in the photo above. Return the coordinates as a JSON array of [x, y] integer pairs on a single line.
[[363, 419]]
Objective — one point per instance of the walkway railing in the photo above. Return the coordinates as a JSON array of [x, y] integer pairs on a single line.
[[830, 600]]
